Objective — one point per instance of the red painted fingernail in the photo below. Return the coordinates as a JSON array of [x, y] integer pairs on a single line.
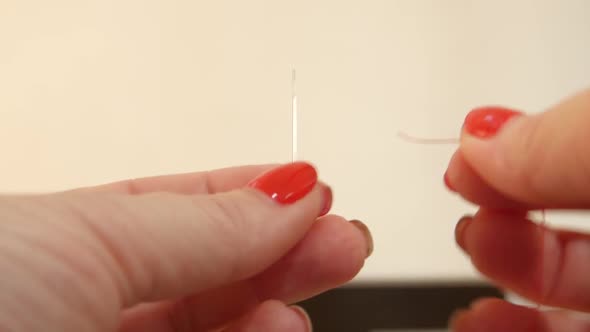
[[485, 122], [460, 231], [327, 203], [288, 183], [448, 182]]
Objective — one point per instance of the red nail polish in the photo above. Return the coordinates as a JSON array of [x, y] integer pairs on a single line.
[[327, 203], [485, 122], [448, 182], [288, 183]]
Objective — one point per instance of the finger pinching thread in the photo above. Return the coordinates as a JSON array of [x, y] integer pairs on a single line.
[[542, 223]]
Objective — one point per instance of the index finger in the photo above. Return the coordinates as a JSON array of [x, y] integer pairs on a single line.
[[206, 182]]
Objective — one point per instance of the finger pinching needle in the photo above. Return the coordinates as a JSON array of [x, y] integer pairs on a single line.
[[295, 120]]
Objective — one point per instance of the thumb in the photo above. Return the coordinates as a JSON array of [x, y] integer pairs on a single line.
[[539, 160], [164, 245]]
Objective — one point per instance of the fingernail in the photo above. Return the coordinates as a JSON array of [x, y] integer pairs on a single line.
[[460, 231], [448, 182], [288, 183], [485, 122], [303, 314], [366, 233], [327, 203]]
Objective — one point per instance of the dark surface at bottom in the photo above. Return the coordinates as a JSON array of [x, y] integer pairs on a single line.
[[364, 309]]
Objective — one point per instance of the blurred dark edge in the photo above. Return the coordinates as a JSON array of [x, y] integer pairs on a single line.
[[366, 308]]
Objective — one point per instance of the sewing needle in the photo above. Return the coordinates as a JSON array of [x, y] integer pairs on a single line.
[[294, 119]]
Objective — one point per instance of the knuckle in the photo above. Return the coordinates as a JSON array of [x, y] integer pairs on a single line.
[[232, 214], [223, 221], [549, 151], [231, 221], [107, 232], [226, 213], [529, 156], [44, 225], [228, 217]]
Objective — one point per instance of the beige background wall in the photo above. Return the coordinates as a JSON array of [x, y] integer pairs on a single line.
[[96, 91]]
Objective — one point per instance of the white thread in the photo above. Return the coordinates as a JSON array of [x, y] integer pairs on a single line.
[[419, 140]]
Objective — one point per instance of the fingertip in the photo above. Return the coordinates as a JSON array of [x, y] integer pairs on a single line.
[[331, 254], [453, 171], [327, 199], [506, 248], [475, 152], [460, 230], [304, 316], [344, 244], [368, 238], [526, 157], [466, 320], [287, 183], [514, 162], [448, 183], [273, 315], [461, 178], [487, 121]]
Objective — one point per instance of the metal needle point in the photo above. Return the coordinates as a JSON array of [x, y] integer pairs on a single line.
[[295, 119]]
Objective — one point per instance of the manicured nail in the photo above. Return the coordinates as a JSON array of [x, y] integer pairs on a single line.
[[288, 183], [460, 231], [485, 122], [448, 182], [327, 203], [366, 233], [304, 316]]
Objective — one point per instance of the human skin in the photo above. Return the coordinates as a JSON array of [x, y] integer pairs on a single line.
[[528, 162], [228, 250]]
